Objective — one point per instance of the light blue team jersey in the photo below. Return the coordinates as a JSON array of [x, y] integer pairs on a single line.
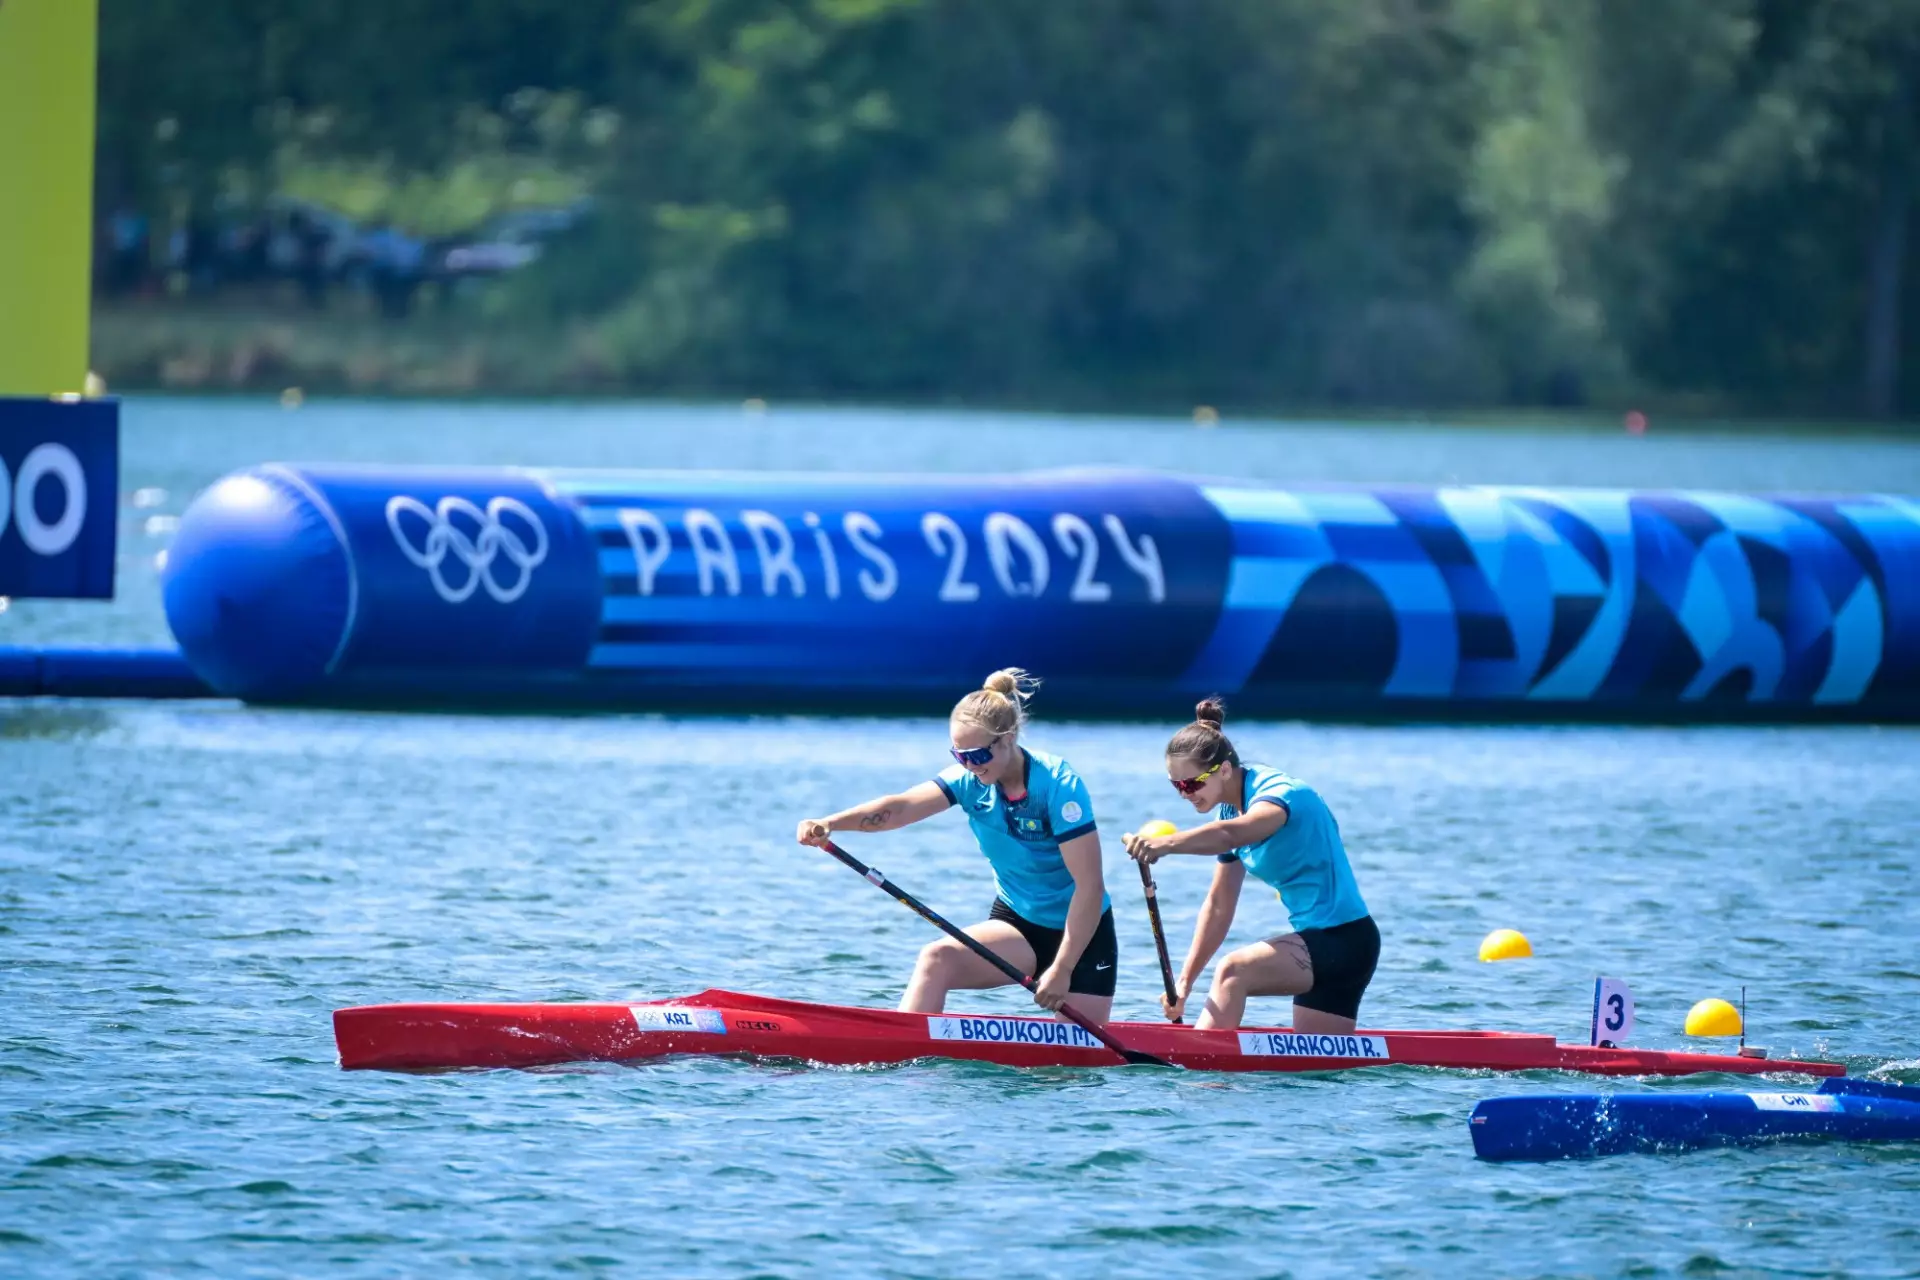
[[1304, 859], [1022, 841]]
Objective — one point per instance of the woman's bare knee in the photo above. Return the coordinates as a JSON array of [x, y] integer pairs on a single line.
[[940, 959], [1234, 970], [1281, 967]]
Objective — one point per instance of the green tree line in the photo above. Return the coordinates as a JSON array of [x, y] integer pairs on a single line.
[[1365, 202]]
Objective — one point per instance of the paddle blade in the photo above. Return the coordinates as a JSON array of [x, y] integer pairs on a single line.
[[1137, 1059]]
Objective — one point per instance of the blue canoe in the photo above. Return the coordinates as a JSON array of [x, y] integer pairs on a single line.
[[1573, 1126]]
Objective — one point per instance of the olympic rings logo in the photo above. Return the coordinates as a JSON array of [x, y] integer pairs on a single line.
[[478, 552], [50, 461]]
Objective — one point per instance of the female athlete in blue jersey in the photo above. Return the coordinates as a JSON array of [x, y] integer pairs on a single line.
[[1033, 820], [1280, 829]]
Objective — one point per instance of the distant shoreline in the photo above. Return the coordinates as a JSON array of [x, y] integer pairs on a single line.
[[194, 349]]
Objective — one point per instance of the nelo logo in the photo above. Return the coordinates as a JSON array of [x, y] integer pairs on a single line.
[[52, 462]]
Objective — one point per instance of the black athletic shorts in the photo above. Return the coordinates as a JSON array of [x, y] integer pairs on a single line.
[[1094, 975], [1343, 960]]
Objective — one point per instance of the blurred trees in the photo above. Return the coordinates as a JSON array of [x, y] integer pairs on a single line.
[[1370, 202]]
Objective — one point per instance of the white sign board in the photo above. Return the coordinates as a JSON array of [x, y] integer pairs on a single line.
[[1612, 1012]]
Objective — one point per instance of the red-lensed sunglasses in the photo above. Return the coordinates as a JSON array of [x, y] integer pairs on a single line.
[[1191, 786]]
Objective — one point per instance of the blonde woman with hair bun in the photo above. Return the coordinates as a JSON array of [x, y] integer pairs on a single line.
[[1033, 820]]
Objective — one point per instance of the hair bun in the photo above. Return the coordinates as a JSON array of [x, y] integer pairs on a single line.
[[1211, 711], [999, 705], [1011, 682]]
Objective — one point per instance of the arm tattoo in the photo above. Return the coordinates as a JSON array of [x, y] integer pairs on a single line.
[[877, 820]]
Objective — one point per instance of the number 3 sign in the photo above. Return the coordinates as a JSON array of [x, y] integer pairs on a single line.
[[1612, 1012]]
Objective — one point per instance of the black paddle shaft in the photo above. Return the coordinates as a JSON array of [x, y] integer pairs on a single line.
[[1159, 932], [980, 949]]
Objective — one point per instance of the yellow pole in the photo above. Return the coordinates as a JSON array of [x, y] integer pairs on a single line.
[[47, 50]]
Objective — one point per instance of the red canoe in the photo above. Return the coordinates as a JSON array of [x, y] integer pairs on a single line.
[[412, 1037]]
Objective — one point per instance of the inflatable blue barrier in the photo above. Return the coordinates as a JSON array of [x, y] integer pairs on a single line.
[[97, 673], [1584, 1125], [1131, 592]]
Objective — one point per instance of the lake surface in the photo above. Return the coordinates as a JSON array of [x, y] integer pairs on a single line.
[[188, 890]]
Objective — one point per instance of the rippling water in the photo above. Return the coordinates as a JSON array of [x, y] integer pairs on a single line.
[[187, 891]]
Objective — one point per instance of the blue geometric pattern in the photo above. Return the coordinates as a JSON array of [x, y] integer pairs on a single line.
[[1605, 596]]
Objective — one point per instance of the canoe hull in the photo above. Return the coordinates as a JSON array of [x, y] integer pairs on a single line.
[[427, 1037]]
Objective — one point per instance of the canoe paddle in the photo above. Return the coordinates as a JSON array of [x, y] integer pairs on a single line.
[[1152, 890], [980, 949]]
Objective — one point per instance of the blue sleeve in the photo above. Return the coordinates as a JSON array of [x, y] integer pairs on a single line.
[[1070, 807], [1274, 789], [953, 781]]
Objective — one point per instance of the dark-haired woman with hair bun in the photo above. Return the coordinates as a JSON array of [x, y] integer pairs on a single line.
[[1280, 829]]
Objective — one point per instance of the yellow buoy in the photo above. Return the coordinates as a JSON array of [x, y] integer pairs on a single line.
[[1157, 828], [1713, 1018], [1505, 944]]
